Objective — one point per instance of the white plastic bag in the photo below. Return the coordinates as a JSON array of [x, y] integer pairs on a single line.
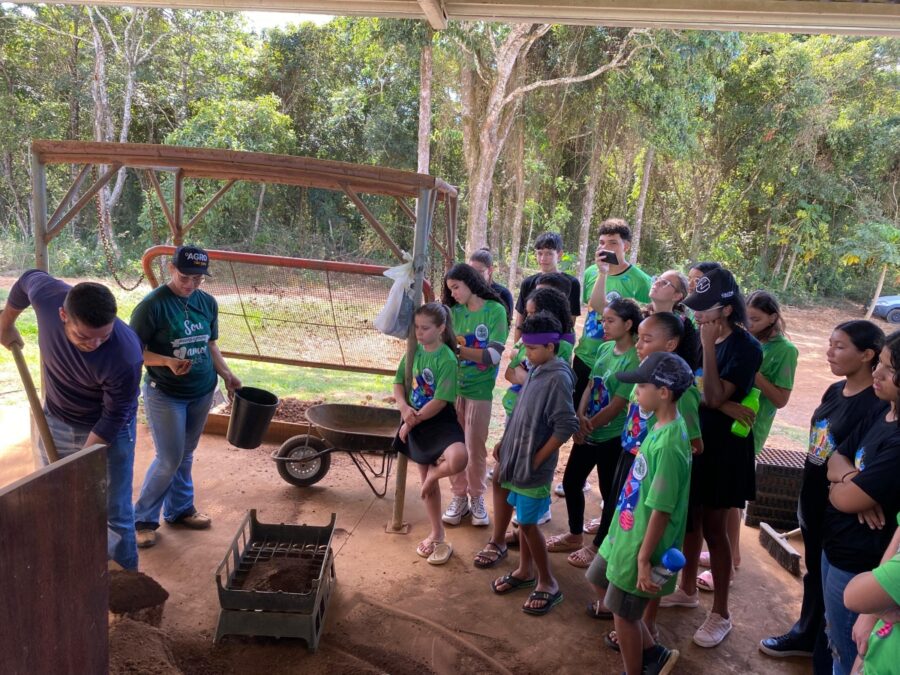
[[396, 315]]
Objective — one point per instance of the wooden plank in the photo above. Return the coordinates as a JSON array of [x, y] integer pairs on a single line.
[[212, 202], [876, 17], [197, 161], [373, 221], [73, 190], [435, 13], [54, 583], [178, 208], [81, 203], [151, 174]]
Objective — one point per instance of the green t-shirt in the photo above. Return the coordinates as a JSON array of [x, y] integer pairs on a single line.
[[434, 376], [488, 324], [632, 283], [778, 366], [512, 394], [539, 492], [181, 327], [604, 385], [883, 653], [659, 480], [638, 421]]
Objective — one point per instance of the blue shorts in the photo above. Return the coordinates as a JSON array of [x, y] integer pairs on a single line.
[[528, 509]]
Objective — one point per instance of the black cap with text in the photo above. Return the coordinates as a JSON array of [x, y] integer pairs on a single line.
[[191, 260]]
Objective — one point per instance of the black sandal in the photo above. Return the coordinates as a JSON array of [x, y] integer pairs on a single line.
[[490, 555]]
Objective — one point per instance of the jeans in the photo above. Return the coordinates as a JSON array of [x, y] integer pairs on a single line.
[[838, 619], [121, 543], [176, 425]]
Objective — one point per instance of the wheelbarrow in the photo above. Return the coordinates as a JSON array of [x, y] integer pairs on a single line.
[[365, 433]]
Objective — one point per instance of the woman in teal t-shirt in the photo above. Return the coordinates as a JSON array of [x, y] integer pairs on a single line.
[[481, 324], [178, 325]]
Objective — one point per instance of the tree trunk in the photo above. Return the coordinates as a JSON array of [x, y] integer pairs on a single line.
[[780, 260], [516, 240], [884, 269], [587, 204], [103, 126], [642, 200], [426, 61], [790, 269], [259, 208], [22, 219]]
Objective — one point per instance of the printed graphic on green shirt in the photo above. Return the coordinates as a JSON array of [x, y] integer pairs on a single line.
[[434, 376], [488, 324]]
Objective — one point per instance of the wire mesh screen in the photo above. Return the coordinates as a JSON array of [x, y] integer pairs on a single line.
[[300, 312]]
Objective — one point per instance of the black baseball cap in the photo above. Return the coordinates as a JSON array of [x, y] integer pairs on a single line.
[[191, 260], [662, 369], [714, 289]]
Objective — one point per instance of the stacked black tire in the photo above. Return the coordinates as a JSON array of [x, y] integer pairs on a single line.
[[778, 477]]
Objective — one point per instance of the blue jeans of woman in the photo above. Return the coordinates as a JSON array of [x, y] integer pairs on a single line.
[[175, 425], [838, 619], [121, 543]]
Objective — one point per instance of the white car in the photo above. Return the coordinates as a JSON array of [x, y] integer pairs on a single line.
[[888, 308]]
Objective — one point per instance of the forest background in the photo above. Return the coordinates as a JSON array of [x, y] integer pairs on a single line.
[[774, 154]]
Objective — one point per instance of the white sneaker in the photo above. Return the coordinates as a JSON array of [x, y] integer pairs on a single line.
[[560, 492], [680, 599], [479, 512], [543, 519], [713, 631], [458, 508]]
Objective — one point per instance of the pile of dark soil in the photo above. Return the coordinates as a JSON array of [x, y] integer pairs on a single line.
[[133, 591], [291, 575]]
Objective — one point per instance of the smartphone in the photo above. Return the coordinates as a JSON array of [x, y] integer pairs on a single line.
[[607, 257]]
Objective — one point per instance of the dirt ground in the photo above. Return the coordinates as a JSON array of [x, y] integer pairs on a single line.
[[393, 613]]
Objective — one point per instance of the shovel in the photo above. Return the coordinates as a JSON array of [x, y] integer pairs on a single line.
[[37, 409]]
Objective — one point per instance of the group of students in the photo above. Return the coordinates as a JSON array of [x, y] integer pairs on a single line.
[[92, 365], [657, 399]]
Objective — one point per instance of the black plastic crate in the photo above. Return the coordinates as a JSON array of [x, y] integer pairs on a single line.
[[298, 614]]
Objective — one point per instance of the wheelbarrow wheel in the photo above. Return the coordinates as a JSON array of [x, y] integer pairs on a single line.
[[301, 471]]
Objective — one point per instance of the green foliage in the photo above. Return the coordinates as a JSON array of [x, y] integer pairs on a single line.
[[770, 149]]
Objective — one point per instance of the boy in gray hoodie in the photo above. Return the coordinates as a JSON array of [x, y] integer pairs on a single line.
[[543, 419]]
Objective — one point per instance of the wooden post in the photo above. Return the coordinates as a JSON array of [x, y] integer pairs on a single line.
[[178, 207], [39, 208], [41, 259], [420, 260]]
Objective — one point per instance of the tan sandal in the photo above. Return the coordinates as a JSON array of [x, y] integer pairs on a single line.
[[560, 544], [582, 558]]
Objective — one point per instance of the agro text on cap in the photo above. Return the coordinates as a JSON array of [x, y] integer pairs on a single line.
[[191, 260]]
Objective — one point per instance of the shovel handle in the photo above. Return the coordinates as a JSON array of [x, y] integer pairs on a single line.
[[37, 410]]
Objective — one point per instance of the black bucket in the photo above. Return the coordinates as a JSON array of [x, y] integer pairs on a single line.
[[251, 412]]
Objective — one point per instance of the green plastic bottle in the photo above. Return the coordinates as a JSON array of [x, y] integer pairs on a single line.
[[752, 402]]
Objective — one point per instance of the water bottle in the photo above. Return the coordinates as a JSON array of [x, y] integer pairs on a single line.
[[752, 402], [672, 561]]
